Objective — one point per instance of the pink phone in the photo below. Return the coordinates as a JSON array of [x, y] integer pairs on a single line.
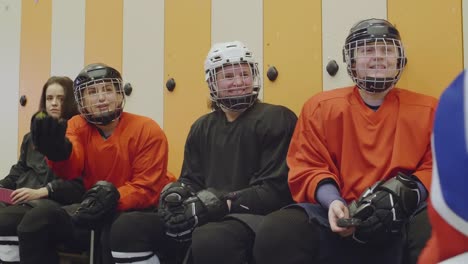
[[5, 195]]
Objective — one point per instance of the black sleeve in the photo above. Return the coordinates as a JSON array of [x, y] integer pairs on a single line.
[[66, 191], [269, 189], [191, 173], [19, 168]]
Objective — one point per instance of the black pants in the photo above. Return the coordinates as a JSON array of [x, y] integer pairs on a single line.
[[288, 236], [42, 229], [228, 241], [138, 231], [26, 221], [10, 218]]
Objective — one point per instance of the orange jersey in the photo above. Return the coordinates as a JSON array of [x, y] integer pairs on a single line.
[[134, 158], [338, 136]]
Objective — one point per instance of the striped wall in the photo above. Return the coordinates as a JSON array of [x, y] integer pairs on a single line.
[[336, 30], [465, 31], [153, 41], [143, 53], [432, 32], [68, 35], [10, 30]]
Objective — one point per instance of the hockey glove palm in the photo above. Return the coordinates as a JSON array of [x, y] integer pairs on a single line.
[[48, 136]]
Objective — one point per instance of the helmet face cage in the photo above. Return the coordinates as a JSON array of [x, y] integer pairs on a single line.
[[234, 86], [385, 61], [374, 55], [100, 101]]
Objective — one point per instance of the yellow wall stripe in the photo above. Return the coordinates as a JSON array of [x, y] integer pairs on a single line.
[[36, 20], [186, 43], [465, 32], [293, 44], [432, 35], [103, 33]]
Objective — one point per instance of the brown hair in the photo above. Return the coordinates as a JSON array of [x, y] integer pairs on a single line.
[[69, 107]]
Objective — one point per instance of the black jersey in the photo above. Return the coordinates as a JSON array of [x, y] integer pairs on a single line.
[[246, 157]]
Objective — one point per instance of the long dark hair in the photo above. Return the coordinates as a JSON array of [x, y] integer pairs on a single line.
[[69, 107]]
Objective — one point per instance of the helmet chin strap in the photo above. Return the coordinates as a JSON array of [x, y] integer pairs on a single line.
[[238, 103], [375, 85], [104, 119]]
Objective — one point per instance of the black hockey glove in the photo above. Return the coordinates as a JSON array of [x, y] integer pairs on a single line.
[[171, 206], [182, 213], [48, 136], [99, 204], [384, 208]]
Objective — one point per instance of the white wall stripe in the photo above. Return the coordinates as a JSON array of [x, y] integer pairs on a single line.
[[336, 23], [239, 20], [10, 28], [68, 33], [143, 56]]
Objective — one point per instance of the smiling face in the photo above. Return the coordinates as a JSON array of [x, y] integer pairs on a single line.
[[54, 100], [376, 60], [234, 80]]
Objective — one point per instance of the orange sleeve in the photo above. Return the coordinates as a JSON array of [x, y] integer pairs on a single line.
[[308, 158], [424, 169], [149, 172]]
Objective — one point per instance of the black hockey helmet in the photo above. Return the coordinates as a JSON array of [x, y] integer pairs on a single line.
[[94, 74], [367, 33]]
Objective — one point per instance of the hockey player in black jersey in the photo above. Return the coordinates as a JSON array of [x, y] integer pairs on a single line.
[[234, 170]]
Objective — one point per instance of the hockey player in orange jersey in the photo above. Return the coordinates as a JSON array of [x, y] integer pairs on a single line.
[[122, 158], [366, 146]]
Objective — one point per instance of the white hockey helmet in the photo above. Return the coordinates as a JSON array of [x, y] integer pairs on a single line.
[[219, 64]]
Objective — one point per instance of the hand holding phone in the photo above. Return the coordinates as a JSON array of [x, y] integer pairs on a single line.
[[5, 195], [348, 222]]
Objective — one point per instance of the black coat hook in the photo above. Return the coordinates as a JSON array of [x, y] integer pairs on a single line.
[[332, 67], [23, 100], [272, 73], [170, 84], [128, 89]]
